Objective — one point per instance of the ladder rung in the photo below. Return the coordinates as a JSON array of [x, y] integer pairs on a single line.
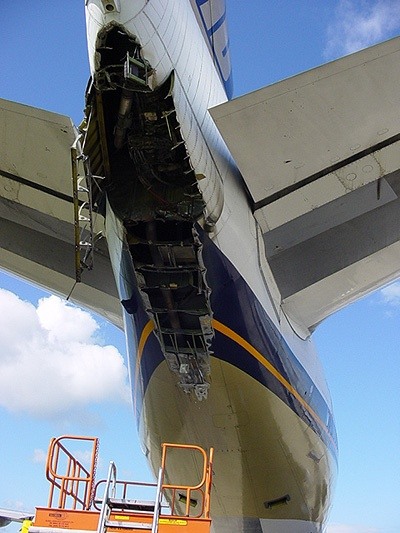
[[131, 504], [128, 525], [128, 513]]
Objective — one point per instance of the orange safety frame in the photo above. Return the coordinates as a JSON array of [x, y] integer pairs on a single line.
[[204, 486], [77, 483]]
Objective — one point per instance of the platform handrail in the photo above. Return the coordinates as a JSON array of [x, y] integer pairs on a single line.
[[204, 486], [157, 505], [109, 492], [208, 484], [77, 482]]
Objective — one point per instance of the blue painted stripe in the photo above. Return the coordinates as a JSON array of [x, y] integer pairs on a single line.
[[217, 25], [210, 32]]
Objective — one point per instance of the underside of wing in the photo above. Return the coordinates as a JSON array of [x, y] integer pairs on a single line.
[[7, 516], [37, 222], [320, 156]]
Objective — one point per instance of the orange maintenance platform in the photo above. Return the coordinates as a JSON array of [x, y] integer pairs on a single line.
[[79, 504]]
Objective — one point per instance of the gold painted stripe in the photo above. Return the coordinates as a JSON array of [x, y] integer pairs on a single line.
[[149, 327], [225, 330], [228, 332]]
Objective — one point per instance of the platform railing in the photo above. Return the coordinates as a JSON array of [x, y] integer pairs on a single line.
[[109, 492], [71, 482], [189, 491], [72, 485]]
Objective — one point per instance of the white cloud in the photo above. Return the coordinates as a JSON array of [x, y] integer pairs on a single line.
[[39, 456], [61, 320], [391, 294], [14, 505], [345, 528], [50, 362], [84, 456], [359, 24]]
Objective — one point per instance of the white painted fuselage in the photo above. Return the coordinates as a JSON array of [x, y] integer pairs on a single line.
[[275, 445]]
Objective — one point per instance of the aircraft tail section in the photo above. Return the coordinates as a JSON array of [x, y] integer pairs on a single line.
[[211, 16]]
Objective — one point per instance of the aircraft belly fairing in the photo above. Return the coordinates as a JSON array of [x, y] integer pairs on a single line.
[[251, 428], [136, 250]]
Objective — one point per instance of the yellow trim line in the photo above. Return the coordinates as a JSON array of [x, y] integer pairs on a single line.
[[149, 327], [266, 364]]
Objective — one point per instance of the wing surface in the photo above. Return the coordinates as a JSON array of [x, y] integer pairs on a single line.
[[36, 209], [7, 516], [320, 156]]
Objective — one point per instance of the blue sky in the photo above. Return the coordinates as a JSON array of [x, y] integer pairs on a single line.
[[43, 63]]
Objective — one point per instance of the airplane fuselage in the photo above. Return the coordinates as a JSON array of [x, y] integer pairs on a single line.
[[212, 358]]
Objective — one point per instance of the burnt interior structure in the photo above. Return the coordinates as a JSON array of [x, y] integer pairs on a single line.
[[133, 139]]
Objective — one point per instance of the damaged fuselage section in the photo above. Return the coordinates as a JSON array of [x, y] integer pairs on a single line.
[[132, 137]]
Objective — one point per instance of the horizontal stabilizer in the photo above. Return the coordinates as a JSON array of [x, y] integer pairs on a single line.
[[37, 212], [320, 155]]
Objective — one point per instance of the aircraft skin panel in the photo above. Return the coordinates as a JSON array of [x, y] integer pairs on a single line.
[[211, 16], [244, 441]]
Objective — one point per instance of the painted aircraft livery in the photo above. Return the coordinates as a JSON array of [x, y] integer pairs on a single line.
[[218, 233]]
